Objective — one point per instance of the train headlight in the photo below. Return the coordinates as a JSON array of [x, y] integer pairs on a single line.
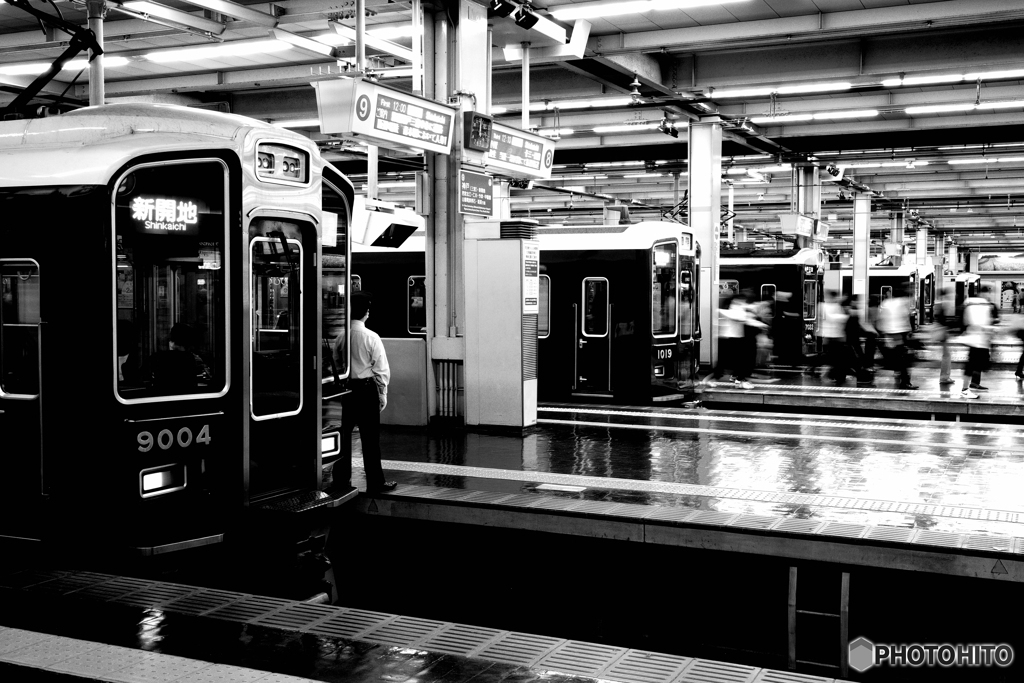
[[276, 163], [156, 481]]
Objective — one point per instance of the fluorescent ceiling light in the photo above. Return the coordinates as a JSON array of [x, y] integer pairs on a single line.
[[1010, 104], [956, 162], [598, 164], [596, 176], [988, 160], [743, 92], [297, 123], [785, 118], [29, 69], [375, 42], [108, 63], [939, 108], [625, 127], [812, 87], [643, 175], [596, 10], [237, 11], [177, 16], [303, 43], [925, 80], [333, 39], [993, 75], [237, 48], [495, 111], [555, 132], [775, 169], [600, 102], [736, 171], [858, 114]]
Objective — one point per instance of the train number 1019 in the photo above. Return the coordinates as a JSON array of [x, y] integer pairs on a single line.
[[664, 354], [166, 438]]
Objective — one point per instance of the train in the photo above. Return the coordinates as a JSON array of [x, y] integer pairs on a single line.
[[885, 282], [604, 332], [164, 329], [791, 281]]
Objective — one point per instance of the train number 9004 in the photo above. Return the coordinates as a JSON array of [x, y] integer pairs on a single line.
[[166, 438]]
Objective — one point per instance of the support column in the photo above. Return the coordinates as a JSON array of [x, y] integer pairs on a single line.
[[96, 10], [896, 236], [806, 196], [729, 234], [952, 257], [922, 247], [972, 261], [525, 122], [705, 204], [861, 248]]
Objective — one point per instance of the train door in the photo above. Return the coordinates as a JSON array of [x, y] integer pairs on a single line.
[[593, 337], [282, 295], [20, 413]]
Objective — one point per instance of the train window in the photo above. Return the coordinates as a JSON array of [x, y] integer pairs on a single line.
[[170, 223], [768, 296], [886, 292], [664, 289], [19, 328], [334, 288], [417, 297], [928, 286], [276, 388], [544, 314], [595, 307], [810, 300], [687, 301]]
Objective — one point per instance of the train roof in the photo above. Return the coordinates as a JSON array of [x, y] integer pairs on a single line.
[[805, 256], [641, 235], [84, 146]]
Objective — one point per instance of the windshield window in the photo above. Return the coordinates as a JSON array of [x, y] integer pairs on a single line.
[[170, 228], [664, 289]]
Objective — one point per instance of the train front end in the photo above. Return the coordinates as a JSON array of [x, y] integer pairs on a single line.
[[160, 334]]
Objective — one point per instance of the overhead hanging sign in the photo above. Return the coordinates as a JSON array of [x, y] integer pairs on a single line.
[[796, 224], [379, 115], [522, 154]]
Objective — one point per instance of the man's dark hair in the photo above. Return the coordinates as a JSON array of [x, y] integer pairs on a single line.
[[360, 305]]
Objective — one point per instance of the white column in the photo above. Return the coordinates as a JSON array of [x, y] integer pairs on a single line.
[[952, 257], [525, 122], [705, 202], [861, 247], [922, 247]]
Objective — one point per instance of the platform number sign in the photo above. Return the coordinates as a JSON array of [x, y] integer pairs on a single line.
[[363, 107]]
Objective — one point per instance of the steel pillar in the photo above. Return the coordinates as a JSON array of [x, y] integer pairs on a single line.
[[705, 207], [806, 195], [96, 10]]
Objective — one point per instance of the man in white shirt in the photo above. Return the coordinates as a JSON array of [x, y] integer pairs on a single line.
[[362, 406]]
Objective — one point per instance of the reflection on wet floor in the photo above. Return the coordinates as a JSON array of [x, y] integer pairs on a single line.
[[972, 471]]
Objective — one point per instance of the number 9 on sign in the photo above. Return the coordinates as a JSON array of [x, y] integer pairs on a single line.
[[363, 107]]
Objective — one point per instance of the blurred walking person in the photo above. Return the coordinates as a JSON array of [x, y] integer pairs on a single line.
[[894, 327], [978, 329], [833, 334], [732, 344]]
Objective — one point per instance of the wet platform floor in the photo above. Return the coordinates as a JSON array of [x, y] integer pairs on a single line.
[[954, 477], [66, 626]]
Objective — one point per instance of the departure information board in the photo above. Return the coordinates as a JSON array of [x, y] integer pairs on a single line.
[[379, 115], [523, 154]]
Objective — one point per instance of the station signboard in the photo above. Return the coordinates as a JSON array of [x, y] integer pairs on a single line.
[[796, 224], [379, 115], [520, 154], [476, 194]]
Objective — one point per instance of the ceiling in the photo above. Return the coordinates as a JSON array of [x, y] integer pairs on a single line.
[[921, 102]]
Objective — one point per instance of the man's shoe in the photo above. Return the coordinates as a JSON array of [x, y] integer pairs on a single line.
[[978, 387], [1019, 376], [383, 488], [966, 393], [746, 385], [908, 386]]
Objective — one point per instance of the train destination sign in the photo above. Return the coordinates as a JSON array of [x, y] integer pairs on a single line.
[[379, 115], [476, 195], [165, 216], [522, 154]]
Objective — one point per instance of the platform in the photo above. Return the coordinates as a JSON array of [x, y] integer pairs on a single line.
[[126, 630]]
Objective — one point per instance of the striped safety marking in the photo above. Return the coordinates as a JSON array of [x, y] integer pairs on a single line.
[[815, 500], [759, 418], [776, 435], [951, 394]]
